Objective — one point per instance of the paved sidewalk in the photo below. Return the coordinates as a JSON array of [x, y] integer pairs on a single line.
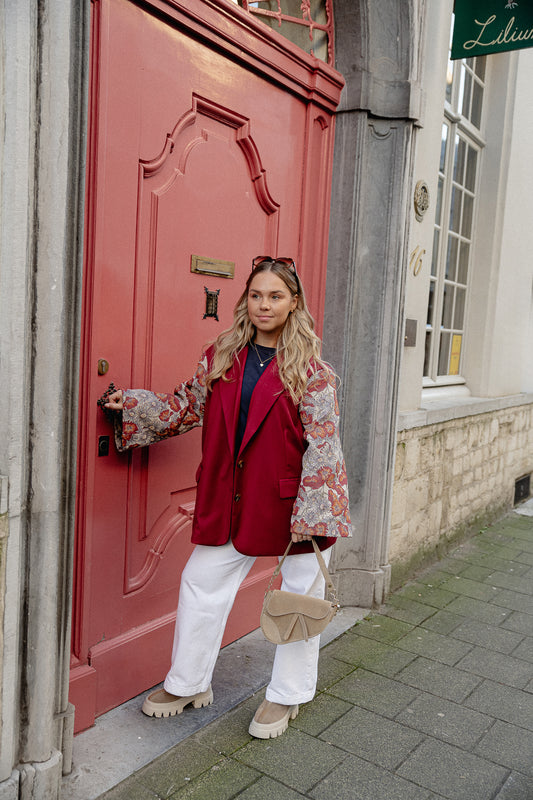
[[431, 698]]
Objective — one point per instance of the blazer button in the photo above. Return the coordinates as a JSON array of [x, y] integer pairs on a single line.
[[240, 463], [237, 498]]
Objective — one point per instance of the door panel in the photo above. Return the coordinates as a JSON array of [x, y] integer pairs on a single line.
[[191, 152]]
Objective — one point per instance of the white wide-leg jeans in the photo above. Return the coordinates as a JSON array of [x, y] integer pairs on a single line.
[[209, 584]]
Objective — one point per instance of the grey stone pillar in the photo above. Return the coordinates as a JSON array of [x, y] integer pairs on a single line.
[[44, 46], [377, 46]]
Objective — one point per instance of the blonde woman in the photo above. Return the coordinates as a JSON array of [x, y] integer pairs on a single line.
[[272, 469]]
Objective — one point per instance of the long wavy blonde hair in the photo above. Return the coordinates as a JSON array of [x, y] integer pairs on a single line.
[[298, 347]]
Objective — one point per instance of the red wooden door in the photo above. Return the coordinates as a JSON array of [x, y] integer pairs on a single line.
[[208, 138]]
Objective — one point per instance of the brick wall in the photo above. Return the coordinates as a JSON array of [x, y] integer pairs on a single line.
[[453, 476]]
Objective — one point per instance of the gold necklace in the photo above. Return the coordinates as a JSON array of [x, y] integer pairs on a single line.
[[262, 363]]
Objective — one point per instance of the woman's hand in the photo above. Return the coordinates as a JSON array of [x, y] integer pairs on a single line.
[[115, 401], [301, 537]]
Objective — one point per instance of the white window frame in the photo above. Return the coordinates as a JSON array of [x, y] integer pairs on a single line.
[[458, 125]]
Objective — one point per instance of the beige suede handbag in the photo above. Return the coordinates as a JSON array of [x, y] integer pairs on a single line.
[[290, 617]]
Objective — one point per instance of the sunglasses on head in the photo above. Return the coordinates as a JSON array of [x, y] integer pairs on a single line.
[[288, 262]]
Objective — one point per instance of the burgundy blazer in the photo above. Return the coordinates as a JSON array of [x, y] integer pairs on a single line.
[[251, 497]]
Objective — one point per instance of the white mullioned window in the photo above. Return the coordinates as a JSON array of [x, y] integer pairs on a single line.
[[460, 159]]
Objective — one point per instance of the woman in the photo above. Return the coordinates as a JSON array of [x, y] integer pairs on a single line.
[[272, 469]]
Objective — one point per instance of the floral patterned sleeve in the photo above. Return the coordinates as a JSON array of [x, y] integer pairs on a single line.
[[148, 417], [322, 507]]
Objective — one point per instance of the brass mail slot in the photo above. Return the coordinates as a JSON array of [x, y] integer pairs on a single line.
[[213, 266]]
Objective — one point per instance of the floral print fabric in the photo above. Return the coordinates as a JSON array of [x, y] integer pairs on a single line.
[[321, 507], [149, 417]]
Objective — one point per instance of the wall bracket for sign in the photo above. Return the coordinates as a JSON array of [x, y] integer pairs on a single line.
[[212, 266]]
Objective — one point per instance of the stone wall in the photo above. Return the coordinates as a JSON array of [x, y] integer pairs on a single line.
[[453, 476]]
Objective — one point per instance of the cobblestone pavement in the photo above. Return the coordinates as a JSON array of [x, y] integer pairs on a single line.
[[430, 698]]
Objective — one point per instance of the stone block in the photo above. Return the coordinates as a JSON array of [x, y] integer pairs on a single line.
[[503, 702], [9, 789], [41, 780], [384, 629], [494, 430], [473, 435], [442, 622], [419, 493], [439, 679], [468, 477], [434, 646], [485, 612], [446, 720], [323, 712], [454, 438], [295, 759], [401, 608], [436, 482], [374, 692], [373, 738], [399, 543], [411, 467], [399, 461], [475, 589], [516, 787], [399, 506], [356, 779], [268, 789], [452, 773], [497, 666], [509, 746], [224, 781]]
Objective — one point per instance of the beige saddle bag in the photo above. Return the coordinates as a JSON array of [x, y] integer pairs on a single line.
[[290, 617]]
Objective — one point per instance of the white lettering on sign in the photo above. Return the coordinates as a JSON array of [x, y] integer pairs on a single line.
[[505, 36]]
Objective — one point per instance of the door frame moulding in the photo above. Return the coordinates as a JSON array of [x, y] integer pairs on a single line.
[[215, 21]]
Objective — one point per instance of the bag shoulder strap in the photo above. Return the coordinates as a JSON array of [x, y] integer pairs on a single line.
[[321, 564]]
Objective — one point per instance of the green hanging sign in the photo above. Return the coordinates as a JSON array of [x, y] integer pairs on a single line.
[[491, 26]]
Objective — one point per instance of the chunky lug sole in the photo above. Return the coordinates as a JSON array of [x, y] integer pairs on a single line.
[[263, 730], [158, 705]]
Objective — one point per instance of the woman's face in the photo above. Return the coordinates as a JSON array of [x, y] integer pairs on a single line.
[[269, 304]]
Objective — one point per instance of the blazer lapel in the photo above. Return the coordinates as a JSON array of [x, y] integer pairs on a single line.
[[230, 394], [268, 390]]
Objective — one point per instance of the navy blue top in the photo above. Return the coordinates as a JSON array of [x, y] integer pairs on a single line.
[[252, 372]]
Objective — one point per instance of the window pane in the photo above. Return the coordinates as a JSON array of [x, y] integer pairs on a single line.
[[444, 354], [449, 80], [477, 100], [447, 306], [455, 210], [468, 207], [427, 353], [271, 12], [435, 256], [467, 91], [471, 163], [479, 69], [451, 258], [318, 11], [438, 208], [459, 160], [444, 141], [431, 303], [464, 253], [459, 313]]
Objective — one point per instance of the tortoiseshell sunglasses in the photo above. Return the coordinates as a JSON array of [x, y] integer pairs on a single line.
[[288, 262]]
